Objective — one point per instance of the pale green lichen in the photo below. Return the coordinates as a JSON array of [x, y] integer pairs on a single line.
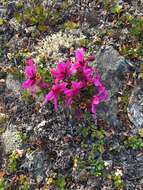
[[11, 140], [49, 47]]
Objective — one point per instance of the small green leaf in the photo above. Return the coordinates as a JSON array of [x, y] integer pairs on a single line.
[[117, 9]]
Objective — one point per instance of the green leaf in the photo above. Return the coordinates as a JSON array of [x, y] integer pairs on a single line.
[[42, 28], [38, 10], [117, 9], [18, 17]]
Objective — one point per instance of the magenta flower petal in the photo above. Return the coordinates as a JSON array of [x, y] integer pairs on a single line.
[[55, 104], [87, 74], [28, 83], [30, 61], [55, 92], [50, 96], [62, 71], [79, 55], [95, 100], [30, 70]]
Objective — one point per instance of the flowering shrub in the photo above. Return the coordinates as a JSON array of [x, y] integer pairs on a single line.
[[74, 84]]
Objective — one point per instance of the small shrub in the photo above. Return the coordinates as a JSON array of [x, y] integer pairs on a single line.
[[74, 84]]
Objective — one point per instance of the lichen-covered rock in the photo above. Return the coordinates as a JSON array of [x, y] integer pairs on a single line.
[[135, 107], [34, 163], [11, 139]]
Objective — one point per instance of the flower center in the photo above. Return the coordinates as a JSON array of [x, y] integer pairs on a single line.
[[38, 77]]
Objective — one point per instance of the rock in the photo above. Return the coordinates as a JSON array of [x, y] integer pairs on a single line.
[[2, 11], [135, 107], [113, 69], [11, 139], [13, 84], [133, 171], [34, 163]]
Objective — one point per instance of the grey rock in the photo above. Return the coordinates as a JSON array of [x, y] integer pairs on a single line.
[[135, 107], [113, 69], [34, 163], [133, 171], [2, 11], [13, 85]]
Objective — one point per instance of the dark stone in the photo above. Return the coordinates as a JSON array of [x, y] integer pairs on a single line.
[[113, 69]]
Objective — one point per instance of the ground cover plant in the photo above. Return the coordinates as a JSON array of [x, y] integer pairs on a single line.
[[71, 95]]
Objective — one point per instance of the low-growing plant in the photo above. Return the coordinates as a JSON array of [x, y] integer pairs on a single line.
[[12, 162], [118, 182], [36, 14], [23, 183], [72, 84], [60, 183], [137, 27], [97, 167], [134, 142], [117, 9]]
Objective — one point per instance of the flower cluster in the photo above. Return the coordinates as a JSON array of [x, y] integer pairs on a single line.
[[74, 84]]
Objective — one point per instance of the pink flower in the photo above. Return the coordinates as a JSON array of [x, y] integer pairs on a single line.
[[62, 71], [79, 55], [70, 93], [87, 74], [55, 92], [97, 99], [79, 59], [33, 77], [95, 103], [102, 94], [97, 79]]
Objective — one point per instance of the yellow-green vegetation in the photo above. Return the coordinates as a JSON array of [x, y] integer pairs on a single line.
[[23, 183], [71, 25], [38, 15], [12, 162], [118, 182], [2, 21], [134, 142]]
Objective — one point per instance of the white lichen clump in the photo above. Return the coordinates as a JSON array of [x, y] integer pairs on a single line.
[[49, 47], [11, 140]]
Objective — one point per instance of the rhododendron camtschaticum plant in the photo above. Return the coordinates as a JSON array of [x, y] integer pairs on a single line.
[[33, 77], [75, 84]]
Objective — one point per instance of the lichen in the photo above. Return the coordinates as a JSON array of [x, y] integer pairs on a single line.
[[49, 47]]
